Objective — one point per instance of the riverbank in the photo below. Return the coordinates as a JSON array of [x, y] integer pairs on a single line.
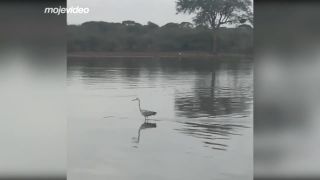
[[157, 55]]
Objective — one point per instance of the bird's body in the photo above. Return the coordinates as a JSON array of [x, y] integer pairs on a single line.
[[145, 113]]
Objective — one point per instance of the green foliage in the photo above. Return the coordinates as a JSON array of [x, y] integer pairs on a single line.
[[214, 13], [130, 36]]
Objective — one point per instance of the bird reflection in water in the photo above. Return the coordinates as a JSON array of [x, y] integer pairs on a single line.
[[144, 126]]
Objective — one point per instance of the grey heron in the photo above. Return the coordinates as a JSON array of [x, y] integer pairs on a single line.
[[145, 113]]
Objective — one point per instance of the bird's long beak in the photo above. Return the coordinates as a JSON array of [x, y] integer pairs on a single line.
[[134, 99]]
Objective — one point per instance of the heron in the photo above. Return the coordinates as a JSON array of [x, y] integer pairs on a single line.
[[145, 113]]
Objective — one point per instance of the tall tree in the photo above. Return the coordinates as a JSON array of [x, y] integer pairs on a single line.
[[215, 13]]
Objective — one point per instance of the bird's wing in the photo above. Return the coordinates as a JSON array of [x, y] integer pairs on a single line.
[[148, 113]]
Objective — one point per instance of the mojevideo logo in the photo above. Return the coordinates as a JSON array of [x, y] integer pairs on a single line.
[[62, 10]]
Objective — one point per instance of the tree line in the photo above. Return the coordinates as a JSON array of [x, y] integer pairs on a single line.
[[130, 36]]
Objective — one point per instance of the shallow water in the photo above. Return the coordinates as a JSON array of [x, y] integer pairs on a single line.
[[203, 128]]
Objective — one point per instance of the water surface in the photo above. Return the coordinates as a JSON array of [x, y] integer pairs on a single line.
[[202, 130]]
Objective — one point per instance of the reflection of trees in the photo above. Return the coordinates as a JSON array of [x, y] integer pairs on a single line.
[[95, 68], [204, 105], [213, 135], [214, 99], [217, 89], [107, 70]]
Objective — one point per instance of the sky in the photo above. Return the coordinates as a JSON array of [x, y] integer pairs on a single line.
[[141, 11]]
